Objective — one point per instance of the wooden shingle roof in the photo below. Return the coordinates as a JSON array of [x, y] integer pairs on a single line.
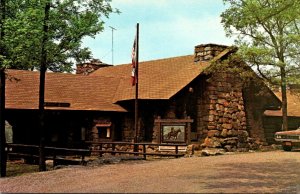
[[158, 79], [102, 89], [82, 92], [293, 103]]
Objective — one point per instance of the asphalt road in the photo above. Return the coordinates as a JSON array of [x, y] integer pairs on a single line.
[[259, 172]]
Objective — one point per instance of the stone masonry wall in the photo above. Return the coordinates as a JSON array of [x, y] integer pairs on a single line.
[[128, 129], [221, 118], [225, 121]]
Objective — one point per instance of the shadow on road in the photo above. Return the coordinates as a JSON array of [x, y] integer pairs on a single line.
[[295, 150], [256, 177]]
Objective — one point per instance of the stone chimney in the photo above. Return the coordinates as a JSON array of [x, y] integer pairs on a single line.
[[89, 67], [206, 52]]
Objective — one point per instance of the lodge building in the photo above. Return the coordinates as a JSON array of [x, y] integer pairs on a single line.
[[180, 101]]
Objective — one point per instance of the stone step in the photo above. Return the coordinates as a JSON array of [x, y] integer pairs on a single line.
[[172, 148]]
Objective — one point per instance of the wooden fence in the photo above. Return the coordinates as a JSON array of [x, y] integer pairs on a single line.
[[54, 153], [51, 153]]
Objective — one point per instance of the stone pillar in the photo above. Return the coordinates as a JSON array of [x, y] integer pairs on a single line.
[[226, 119], [156, 130]]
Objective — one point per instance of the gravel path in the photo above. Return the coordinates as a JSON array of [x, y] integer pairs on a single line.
[[261, 172]]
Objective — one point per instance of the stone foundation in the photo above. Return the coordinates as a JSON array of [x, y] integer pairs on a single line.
[[130, 148]]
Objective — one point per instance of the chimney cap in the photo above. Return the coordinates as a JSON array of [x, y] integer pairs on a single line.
[[206, 52], [96, 61], [211, 45], [88, 67]]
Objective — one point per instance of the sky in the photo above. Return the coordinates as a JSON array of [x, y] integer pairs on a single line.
[[167, 28]]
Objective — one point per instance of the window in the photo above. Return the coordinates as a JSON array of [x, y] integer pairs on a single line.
[[104, 130], [8, 133], [83, 133]]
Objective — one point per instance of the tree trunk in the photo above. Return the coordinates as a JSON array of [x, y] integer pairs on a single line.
[[2, 123], [284, 99], [3, 155], [42, 164]]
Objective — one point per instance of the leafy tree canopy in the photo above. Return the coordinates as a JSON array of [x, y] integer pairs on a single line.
[[69, 22], [268, 36]]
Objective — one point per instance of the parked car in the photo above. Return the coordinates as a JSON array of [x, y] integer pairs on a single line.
[[289, 139]]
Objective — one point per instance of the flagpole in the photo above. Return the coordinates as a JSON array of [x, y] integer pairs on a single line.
[[136, 138]]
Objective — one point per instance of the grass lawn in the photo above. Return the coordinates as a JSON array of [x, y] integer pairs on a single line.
[[18, 167]]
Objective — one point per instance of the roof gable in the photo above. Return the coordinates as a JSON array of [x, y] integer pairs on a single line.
[[293, 102], [158, 79]]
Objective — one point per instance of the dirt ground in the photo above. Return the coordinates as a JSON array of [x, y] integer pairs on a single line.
[[259, 172]]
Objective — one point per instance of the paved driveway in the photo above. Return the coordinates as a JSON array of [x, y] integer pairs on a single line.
[[262, 172]]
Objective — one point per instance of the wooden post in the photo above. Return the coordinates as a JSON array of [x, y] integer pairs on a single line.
[[82, 158], [113, 149], [54, 159], [100, 148], [144, 151]]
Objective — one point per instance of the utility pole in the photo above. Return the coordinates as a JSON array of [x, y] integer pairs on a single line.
[[112, 44]]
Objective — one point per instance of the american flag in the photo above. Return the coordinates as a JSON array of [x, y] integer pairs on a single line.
[[133, 64]]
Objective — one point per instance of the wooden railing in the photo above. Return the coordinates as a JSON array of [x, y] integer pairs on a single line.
[[136, 147], [51, 153]]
